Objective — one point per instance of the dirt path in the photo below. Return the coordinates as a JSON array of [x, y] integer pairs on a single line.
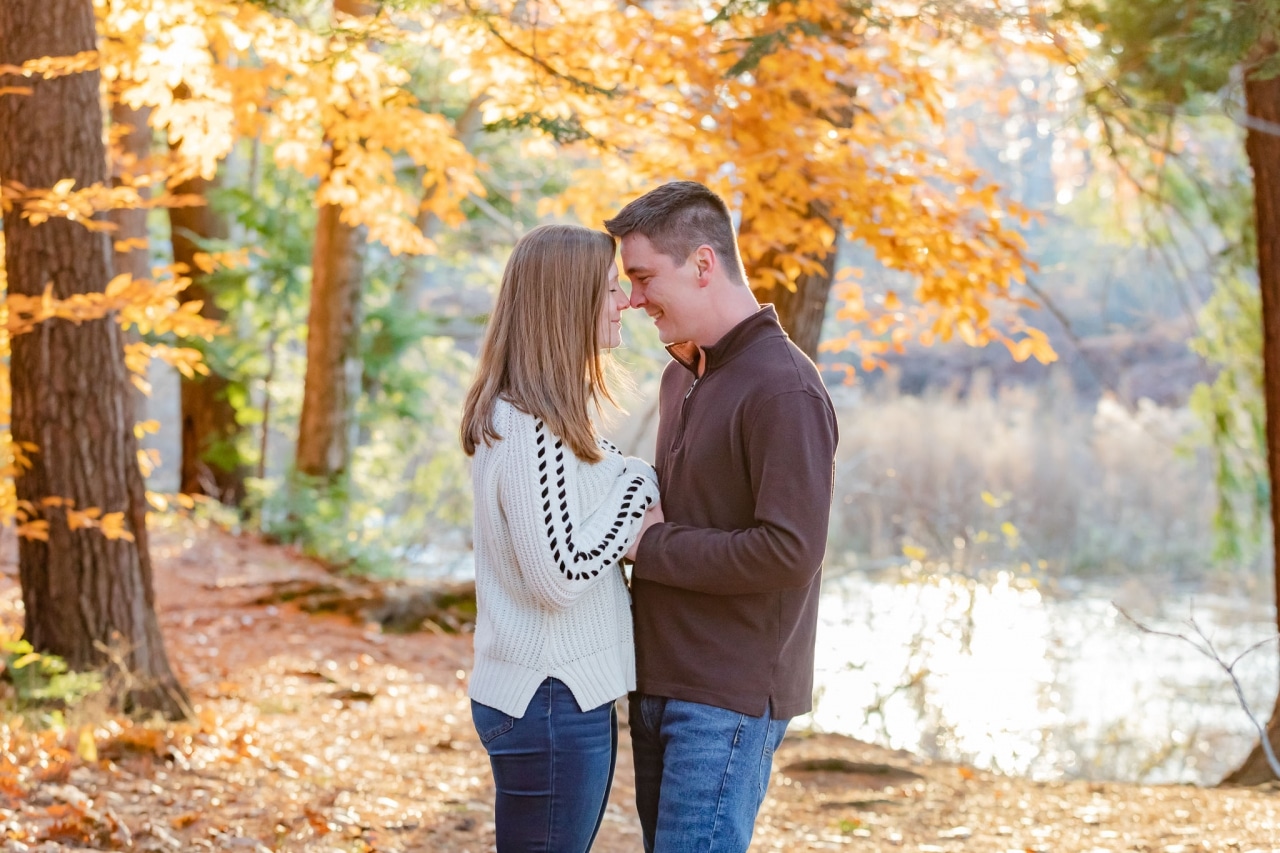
[[317, 734]]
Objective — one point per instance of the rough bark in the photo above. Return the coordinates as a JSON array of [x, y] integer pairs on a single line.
[[332, 382], [134, 136], [208, 418], [803, 310], [134, 147], [71, 398], [130, 157], [1262, 99]]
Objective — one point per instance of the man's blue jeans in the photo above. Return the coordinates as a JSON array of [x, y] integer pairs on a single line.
[[552, 768], [701, 773]]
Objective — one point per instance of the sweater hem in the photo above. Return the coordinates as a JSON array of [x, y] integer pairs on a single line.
[[593, 679]]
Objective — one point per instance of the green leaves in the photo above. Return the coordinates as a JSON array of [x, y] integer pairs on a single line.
[[564, 130], [1168, 53], [1167, 70], [1232, 410], [39, 677]]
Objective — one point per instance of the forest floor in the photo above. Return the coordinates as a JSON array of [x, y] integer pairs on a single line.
[[320, 733]]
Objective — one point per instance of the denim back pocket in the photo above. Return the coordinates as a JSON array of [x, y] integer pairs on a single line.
[[490, 723]]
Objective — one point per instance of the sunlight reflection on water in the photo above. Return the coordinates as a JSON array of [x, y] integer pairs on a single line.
[[1005, 677], [1051, 685]]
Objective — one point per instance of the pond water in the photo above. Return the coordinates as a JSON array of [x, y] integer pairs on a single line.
[[1050, 682], [1005, 676]]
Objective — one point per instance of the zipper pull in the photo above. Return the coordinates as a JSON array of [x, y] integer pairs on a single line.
[[691, 387]]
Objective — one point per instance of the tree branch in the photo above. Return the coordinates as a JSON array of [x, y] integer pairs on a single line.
[[1205, 647], [575, 82]]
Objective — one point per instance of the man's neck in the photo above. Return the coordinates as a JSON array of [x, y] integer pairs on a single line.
[[736, 306]]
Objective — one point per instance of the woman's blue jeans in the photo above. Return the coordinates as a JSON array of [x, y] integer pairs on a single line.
[[552, 768]]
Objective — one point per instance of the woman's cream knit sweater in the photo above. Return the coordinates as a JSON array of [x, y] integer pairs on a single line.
[[550, 533]]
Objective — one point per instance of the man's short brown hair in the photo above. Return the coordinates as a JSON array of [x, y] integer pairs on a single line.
[[677, 218]]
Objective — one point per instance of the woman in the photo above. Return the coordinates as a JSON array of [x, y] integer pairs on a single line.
[[556, 509]]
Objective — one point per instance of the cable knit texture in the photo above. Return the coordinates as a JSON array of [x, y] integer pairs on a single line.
[[550, 533]]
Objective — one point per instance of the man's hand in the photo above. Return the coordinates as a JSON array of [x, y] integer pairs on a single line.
[[653, 515]]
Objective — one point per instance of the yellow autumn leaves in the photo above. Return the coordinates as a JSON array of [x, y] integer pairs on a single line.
[[820, 122], [148, 306]]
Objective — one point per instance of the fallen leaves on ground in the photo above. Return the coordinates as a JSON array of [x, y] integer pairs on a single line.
[[319, 733]]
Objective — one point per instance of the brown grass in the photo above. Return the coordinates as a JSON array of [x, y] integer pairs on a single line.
[[1087, 490]]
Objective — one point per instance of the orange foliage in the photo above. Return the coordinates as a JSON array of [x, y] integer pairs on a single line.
[[327, 105], [214, 73], [814, 121]]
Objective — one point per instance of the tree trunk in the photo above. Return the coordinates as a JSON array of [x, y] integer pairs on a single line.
[[802, 311], [210, 464], [333, 349], [71, 397], [355, 8], [129, 241], [1262, 99], [327, 427], [131, 223], [131, 253]]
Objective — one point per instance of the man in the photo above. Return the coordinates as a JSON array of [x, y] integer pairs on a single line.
[[725, 583]]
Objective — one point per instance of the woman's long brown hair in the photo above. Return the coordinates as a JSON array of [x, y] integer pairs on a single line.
[[541, 350]]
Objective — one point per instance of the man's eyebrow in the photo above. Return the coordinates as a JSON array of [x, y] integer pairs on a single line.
[[634, 271]]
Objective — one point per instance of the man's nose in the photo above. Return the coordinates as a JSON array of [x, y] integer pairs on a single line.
[[637, 296]]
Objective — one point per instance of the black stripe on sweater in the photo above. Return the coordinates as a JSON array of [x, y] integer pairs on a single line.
[[560, 496]]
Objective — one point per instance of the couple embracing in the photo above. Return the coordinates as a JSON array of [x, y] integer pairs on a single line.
[[713, 642]]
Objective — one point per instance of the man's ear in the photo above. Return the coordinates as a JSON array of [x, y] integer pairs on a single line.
[[705, 258]]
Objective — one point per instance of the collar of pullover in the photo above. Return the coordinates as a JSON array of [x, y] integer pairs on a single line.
[[733, 342]]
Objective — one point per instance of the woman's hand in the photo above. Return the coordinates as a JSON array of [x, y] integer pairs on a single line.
[[653, 515]]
